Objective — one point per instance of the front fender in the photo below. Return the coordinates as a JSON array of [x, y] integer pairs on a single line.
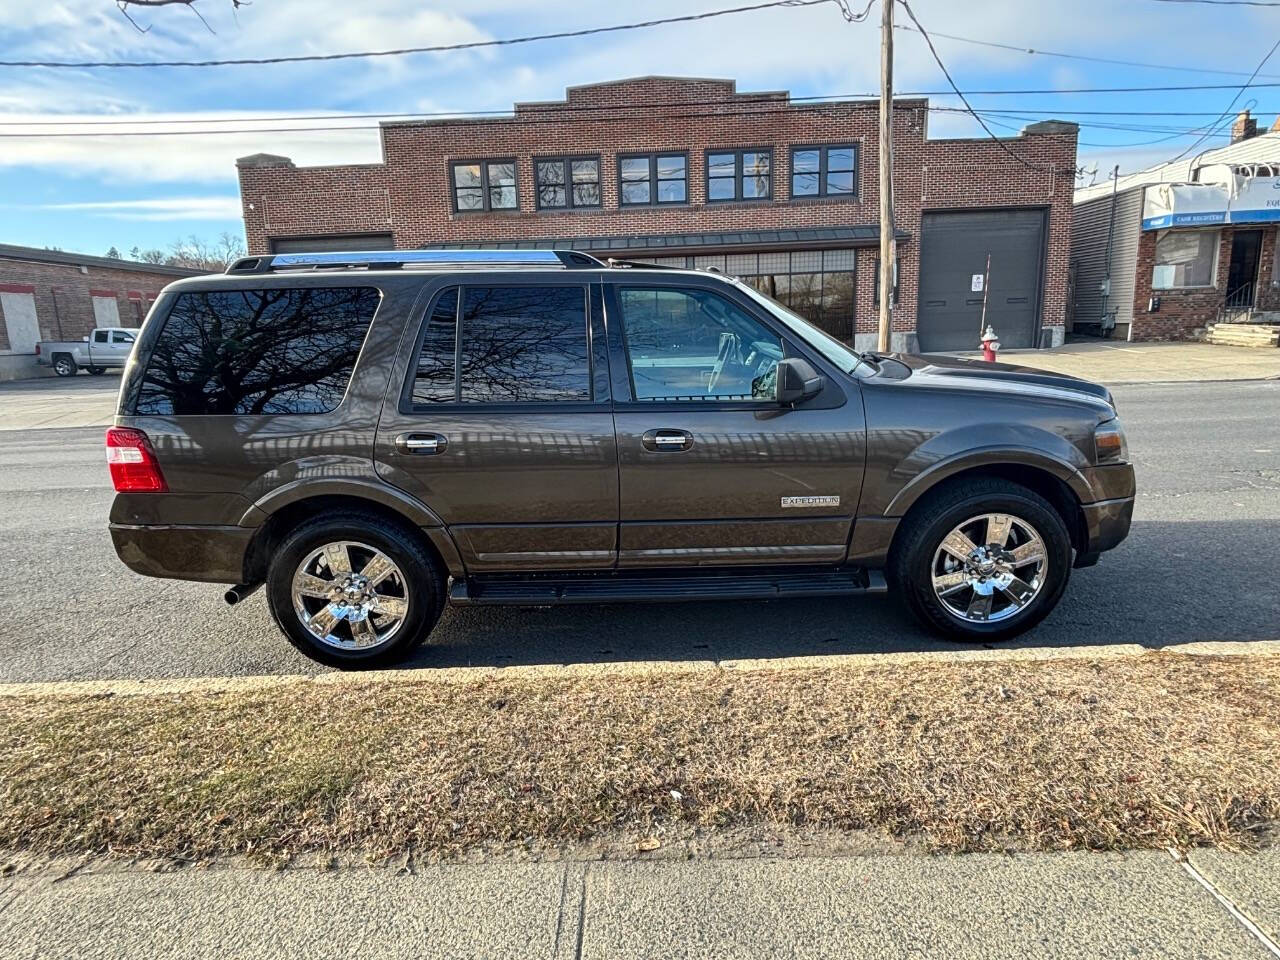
[[952, 452]]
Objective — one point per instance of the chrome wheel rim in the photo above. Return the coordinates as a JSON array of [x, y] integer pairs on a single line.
[[989, 568], [350, 595]]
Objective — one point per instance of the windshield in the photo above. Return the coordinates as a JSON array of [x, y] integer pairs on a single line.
[[831, 348]]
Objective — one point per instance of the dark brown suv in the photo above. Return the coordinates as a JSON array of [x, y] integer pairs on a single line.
[[370, 435]]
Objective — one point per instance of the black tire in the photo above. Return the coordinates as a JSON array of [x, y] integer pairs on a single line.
[[96, 371], [928, 524], [424, 587], [64, 365]]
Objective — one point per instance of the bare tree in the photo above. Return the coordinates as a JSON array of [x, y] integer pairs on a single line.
[[124, 5], [201, 254]]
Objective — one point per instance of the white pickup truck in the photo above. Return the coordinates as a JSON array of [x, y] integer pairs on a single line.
[[103, 349]]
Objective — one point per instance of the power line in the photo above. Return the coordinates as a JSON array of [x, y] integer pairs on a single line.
[[1226, 3], [439, 48], [1080, 56], [1016, 112], [1230, 106], [615, 115], [963, 99]]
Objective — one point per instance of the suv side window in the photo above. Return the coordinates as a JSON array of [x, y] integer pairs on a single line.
[[257, 351], [696, 345], [505, 345]]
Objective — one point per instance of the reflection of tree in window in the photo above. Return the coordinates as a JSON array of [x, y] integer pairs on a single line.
[[523, 344], [257, 351], [433, 380]]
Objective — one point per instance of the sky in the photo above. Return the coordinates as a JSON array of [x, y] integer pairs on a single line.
[[90, 193]]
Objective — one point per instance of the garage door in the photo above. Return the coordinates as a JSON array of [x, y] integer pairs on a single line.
[[337, 243], [953, 251]]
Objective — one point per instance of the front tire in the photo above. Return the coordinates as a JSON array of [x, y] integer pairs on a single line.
[[96, 371], [354, 590], [983, 560]]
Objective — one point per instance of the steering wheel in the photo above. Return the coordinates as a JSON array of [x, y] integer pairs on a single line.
[[722, 357]]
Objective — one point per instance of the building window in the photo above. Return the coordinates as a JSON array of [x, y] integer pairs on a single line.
[[739, 175], [653, 178], [484, 185], [567, 182], [1185, 258], [829, 171]]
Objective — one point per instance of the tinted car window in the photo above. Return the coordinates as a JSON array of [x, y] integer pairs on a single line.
[[257, 351], [523, 344], [434, 380], [695, 345]]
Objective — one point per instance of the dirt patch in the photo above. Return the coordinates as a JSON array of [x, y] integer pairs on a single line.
[[1152, 751]]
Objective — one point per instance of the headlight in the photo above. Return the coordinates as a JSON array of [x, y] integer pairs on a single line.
[[1109, 445]]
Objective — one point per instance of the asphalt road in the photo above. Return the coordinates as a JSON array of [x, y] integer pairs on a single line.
[[1200, 564]]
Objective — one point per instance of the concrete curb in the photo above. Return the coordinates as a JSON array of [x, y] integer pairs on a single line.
[[585, 671]]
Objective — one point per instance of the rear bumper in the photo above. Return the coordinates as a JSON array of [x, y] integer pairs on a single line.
[[206, 553]]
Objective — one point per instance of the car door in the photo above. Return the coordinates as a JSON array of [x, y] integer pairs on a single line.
[[711, 469], [503, 424], [99, 347], [121, 344]]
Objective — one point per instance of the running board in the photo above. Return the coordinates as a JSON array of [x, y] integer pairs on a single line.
[[612, 586]]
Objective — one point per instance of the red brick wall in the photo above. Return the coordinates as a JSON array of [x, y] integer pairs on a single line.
[[64, 304], [1183, 311], [409, 194]]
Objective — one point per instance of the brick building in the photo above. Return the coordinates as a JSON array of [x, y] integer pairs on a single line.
[[1166, 253], [51, 295], [781, 192]]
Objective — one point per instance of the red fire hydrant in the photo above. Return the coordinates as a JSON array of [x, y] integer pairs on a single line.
[[990, 344]]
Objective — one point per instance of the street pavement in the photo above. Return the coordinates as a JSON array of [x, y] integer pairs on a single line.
[[1078, 905], [1199, 565]]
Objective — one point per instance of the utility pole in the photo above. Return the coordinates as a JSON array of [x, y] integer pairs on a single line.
[[888, 245]]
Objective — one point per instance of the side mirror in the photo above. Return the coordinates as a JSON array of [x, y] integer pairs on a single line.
[[797, 381]]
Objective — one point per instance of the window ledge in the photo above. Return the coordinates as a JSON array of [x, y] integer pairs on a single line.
[[823, 201], [487, 213]]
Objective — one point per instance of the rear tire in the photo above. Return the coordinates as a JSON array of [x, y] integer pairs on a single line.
[[993, 593], [353, 633], [64, 365]]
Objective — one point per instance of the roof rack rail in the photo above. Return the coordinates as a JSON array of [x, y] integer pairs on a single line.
[[397, 259], [639, 265]]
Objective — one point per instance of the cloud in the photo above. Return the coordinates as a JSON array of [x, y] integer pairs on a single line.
[[162, 156], [155, 208]]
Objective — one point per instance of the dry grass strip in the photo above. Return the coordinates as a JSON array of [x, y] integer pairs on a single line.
[[1144, 752]]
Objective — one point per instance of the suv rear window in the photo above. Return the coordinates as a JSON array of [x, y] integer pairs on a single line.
[[257, 351]]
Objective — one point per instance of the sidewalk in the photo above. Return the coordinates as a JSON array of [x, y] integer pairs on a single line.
[[1114, 361], [1078, 905], [55, 402]]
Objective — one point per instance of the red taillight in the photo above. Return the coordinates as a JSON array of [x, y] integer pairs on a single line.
[[37, 348], [132, 462]]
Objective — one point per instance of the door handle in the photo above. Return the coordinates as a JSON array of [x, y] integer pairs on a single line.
[[422, 444], [668, 441]]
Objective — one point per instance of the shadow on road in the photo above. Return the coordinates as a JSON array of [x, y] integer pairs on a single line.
[[1168, 583]]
